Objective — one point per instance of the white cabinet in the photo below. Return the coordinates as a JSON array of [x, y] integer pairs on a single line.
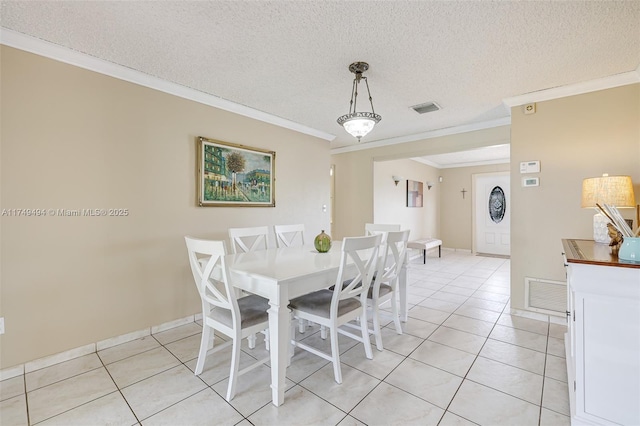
[[603, 338]]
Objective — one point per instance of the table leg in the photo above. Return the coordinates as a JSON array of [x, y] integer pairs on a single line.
[[402, 289], [279, 329]]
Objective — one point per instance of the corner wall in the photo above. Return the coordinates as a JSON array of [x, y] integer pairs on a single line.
[[75, 139], [574, 138]]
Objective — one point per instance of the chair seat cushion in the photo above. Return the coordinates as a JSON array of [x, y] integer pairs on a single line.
[[384, 289], [319, 303], [253, 310]]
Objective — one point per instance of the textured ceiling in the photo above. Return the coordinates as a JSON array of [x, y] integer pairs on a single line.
[[290, 58]]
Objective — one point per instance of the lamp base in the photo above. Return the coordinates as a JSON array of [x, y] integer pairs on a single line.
[[600, 231]]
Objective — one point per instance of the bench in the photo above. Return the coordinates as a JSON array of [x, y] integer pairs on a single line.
[[426, 244]]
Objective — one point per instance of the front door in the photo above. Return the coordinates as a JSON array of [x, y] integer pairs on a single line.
[[492, 213]]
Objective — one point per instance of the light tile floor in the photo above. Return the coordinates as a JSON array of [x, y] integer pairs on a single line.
[[462, 360]]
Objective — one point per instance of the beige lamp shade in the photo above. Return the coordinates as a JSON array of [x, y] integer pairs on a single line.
[[615, 191]]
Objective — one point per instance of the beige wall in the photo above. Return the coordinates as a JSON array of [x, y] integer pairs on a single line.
[[456, 224], [574, 138], [354, 175], [390, 201], [76, 139]]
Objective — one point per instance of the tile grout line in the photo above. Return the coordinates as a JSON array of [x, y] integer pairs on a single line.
[[467, 373]]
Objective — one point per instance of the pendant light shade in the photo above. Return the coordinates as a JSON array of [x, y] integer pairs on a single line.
[[359, 124]]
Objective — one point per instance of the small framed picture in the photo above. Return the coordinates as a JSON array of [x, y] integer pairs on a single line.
[[231, 175], [414, 193]]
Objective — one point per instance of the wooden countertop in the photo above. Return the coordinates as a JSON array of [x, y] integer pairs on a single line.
[[592, 253]]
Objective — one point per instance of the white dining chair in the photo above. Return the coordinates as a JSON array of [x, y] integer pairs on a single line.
[[377, 228], [244, 240], [385, 284], [221, 311], [333, 308], [289, 235]]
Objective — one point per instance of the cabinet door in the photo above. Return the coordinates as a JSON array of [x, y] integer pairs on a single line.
[[608, 371], [571, 320]]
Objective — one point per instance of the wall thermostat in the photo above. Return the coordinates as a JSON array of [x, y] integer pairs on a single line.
[[531, 181], [530, 167]]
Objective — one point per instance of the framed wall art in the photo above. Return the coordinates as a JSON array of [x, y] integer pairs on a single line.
[[231, 175], [414, 193]]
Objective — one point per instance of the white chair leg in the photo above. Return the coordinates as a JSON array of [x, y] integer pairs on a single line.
[[202, 354], [376, 327], [252, 341], [266, 339], [335, 354], [323, 332], [396, 315], [235, 362], [301, 325], [365, 336]]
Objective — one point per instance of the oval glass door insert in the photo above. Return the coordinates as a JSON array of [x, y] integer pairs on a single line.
[[497, 204]]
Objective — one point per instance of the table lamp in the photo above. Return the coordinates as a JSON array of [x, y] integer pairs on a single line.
[[615, 191]]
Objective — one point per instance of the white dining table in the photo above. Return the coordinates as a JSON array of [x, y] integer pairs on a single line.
[[281, 274]]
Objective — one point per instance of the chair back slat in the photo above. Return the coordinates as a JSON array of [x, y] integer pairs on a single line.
[[362, 252], [208, 267], [289, 235], [380, 228], [244, 240], [389, 266]]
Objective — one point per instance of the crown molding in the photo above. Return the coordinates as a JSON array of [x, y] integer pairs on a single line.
[[458, 165], [465, 128], [62, 54], [603, 83]]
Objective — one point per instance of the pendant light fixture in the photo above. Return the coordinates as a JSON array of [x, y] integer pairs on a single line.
[[359, 124]]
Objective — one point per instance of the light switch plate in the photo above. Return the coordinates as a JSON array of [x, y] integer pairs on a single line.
[[530, 167]]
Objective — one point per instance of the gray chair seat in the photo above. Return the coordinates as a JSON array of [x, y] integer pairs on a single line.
[[319, 303], [253, 310], [384, 289]]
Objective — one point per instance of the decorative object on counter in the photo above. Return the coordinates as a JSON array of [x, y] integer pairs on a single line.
[[616, 238], [630, 249], [322, 242], [616, 191], [616, 219]]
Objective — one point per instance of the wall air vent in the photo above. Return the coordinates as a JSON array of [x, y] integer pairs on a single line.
[[427, 107], [545, 296]]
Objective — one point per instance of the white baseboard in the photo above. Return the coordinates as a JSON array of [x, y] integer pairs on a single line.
[[48, 361], [10, 373], [554, 319]]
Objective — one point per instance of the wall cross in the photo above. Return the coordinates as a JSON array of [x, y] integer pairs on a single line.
[[464, 191]]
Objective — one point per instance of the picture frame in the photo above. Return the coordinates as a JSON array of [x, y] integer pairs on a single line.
[[414, 193], [233, 175]]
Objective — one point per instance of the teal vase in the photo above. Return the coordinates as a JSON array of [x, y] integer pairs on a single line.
[[322, 242], [630, 249]]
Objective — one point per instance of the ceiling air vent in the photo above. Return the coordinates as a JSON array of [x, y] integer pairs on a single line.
[[427, 107]]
